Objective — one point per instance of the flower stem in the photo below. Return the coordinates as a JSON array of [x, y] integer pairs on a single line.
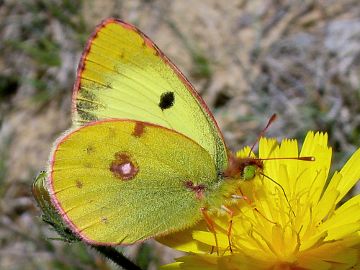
[[115, 256]]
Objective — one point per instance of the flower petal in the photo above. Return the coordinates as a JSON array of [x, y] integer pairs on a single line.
[[192, 262], [208, 238], [333, 255], [348, 215], [184, 241], [350, 173]]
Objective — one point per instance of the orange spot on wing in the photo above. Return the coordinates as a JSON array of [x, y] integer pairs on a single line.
[[123, 166], [197, 189], [139, 129]]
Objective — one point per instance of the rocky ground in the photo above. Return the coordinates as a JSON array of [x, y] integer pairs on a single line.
[[248, 59]]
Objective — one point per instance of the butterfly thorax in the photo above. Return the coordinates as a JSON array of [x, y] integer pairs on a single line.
[[239, 170]]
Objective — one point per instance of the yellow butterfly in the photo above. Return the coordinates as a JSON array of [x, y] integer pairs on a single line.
[[145, 156]]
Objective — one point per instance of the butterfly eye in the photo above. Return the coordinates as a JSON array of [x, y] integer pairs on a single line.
[[249, 172]]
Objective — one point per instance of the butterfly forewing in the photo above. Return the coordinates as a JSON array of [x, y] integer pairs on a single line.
[[123, 74]]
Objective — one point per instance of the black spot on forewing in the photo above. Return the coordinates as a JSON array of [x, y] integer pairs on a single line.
[[167, 100]]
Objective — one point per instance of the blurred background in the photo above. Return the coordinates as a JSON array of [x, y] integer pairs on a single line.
[[248, 59]]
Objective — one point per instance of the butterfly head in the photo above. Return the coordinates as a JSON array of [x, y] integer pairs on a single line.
[[244, 168]]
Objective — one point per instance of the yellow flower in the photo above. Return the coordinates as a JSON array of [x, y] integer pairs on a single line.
[[303, 225]]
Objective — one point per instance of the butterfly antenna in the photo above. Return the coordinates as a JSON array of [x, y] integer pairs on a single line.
[[309, 158], [261, 134], [283, 190]]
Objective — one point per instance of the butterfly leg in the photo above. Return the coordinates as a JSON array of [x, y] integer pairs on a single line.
[[211, 226], [231, 214], [245, 198]]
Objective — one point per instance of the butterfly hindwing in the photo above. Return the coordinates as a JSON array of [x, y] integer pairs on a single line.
[[122, 181]]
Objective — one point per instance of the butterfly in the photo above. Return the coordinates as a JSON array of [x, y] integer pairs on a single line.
[[145, 156]]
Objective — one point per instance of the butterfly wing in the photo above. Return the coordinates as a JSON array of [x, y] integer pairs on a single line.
[[122, 74], [122, 181]]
